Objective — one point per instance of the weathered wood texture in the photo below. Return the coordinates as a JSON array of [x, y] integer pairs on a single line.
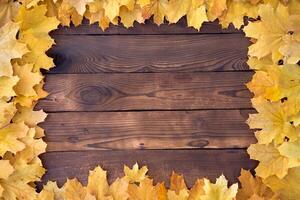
[[192, 163], [188, 114], [147, 130], [148, 28], [146, 91], [149, 53]]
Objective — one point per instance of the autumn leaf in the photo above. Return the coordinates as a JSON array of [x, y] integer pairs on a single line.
[[219, 190], [157, 9], [10, 137], [253, 188], [197, 190], [27, 79], [288, 186], [29, 116], [128, 17], [10, 48], [80, 6], [8, 11], [97, 183], [135, 174], [7, 111], [73, 190], [34, 32], [215, 8], [119, 189], [273, 122], [96, 13], [271, 162], [145, 190]]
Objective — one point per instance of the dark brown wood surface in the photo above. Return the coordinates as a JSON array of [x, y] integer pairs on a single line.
[[169, 97]]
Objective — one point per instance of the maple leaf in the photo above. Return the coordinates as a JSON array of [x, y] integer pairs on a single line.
[[53, 188], [219, 190], [6, 86], [8, 11], [197, 190], [290, 149], [17, 185], [145, 190], [182, 195], [96, 13], [161, 191], [271, 161], [119, 189], [46, 195], [6, 169], [10, 47], [73, 190], [196, 17], [129, 16], [253, 188], [27, 79], [97, 183], [112, 8], [29, 116], [157, 9], [273, 121], [286, 187], [269, 31], [7, 111], [34, 29], [135, 174], [235, 12], [10, 138], [215, 8], [33, 148], [80, 6]]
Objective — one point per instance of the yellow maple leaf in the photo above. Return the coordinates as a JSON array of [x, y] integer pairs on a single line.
[[271, 161], [145, 190], [253, 188], [73, 190], [197, 190], [215, 8], [6, 169], [34, 29], [143, 3], [6, 86], [45, 195], [219, 190], [290, 149], [112, 8], [7, 111], [129, 16], [236, 11], [18, 184], [10, 47], [157, 9], [97, 183], [8, 11], [288, 186], [80, 6], [29, 116], [273, 121], [161, 191], [182, 195], [135, 174], [177, 182], [10, 138], [269, 31], [96, 13], [27, 79], [119, 189], [196, 17]]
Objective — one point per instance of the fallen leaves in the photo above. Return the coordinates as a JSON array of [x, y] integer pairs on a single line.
[[274, 54]]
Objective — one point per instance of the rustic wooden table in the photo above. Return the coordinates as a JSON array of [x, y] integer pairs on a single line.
[[169, 97]]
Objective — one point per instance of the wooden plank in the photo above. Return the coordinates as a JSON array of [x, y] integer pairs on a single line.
[[148, 130], [192, 163], [149, 53], [146, 91], [148, 28]]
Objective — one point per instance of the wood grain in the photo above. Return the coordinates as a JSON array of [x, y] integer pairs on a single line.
[[148, 28], [74, 131], [192, 163], [146, 91], [149, 53]]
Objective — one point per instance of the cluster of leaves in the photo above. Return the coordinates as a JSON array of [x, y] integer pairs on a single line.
[[136, 185], [274, 55]]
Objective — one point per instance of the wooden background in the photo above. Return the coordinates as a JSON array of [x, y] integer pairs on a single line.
[[168, 97]]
